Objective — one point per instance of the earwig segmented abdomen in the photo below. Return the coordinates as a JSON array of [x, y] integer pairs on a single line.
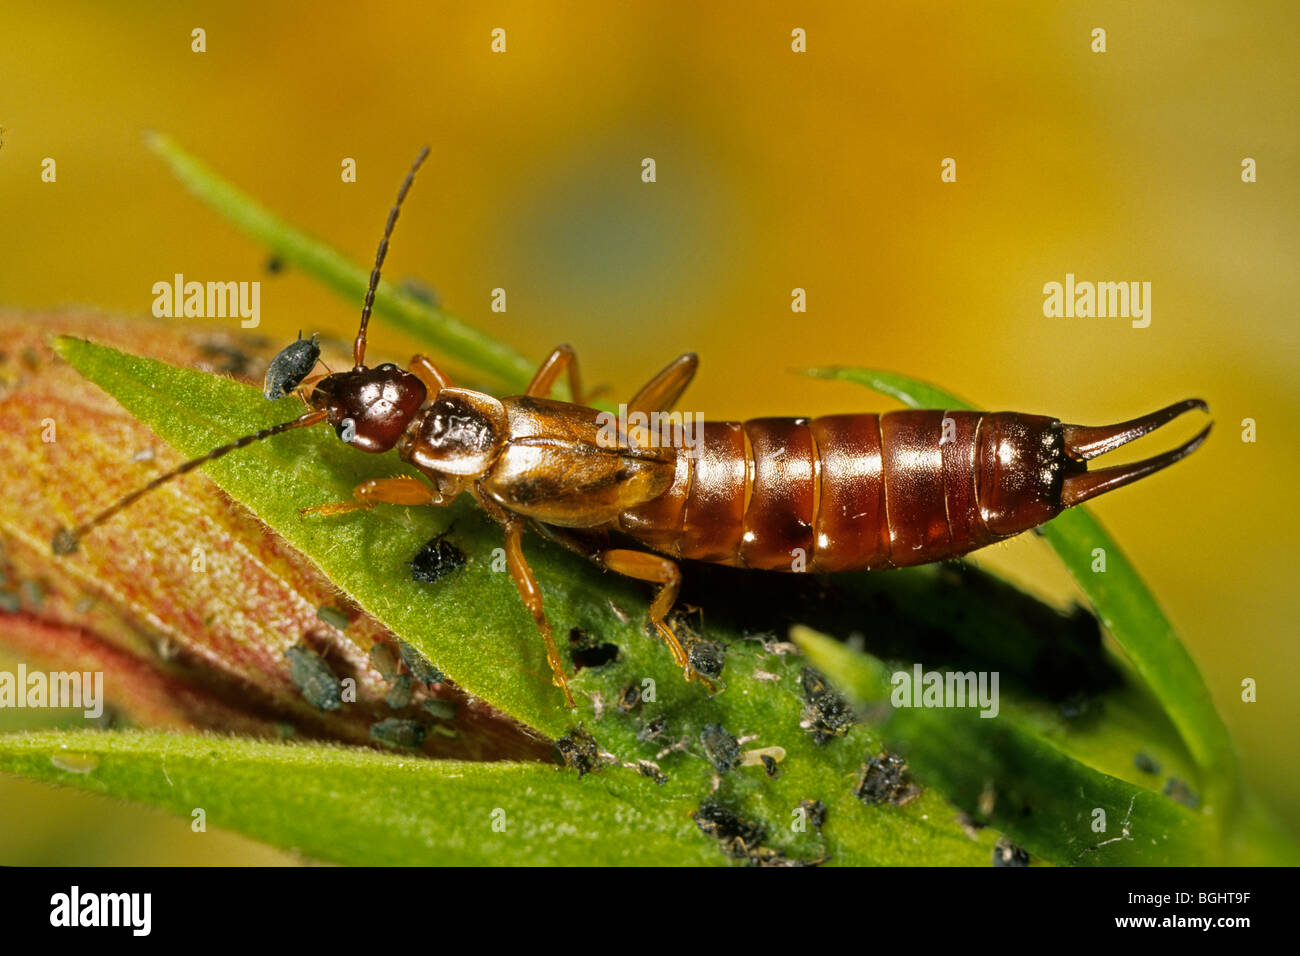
[[856, 492]]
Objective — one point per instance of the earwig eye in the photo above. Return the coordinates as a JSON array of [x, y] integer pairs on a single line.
[[386, 367]]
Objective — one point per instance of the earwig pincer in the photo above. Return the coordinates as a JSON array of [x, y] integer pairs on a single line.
[[836, 493]]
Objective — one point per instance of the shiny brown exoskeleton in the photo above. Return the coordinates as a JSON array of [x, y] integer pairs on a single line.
[[837, 493]]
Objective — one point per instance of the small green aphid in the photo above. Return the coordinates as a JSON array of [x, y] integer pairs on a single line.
[[440, 709], [381, 656], [397, 732], [314, 679], [333, 617], [418, 665], [399, 695]]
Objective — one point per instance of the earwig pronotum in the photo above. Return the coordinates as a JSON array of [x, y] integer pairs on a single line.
[[845, 492]]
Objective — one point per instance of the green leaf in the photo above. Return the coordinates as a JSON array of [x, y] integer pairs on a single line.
[[1125, 606], [1005, 774], [429, 324], [356, 806]]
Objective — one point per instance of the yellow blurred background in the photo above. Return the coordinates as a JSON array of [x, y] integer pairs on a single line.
[[775, 170]]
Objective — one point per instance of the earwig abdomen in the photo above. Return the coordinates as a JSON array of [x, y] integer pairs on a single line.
[[856, 492]]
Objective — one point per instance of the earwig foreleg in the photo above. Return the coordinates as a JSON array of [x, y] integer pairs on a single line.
[[531, 595], [304, 390], [662, 392], [434, 378], [402, 490], [562, 359]]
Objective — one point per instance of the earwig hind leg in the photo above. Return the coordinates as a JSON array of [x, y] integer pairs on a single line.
[[662, 392], [402, 490], [434, 378], [664, 572], [531, 595], [562, 359]]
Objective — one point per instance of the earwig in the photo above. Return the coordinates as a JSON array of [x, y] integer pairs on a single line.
[[836, 493]]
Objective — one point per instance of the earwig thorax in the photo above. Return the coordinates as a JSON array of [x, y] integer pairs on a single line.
[[460, 433]]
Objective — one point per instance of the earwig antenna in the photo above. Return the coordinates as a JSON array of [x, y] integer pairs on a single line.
[[359, 347], [65, 541]]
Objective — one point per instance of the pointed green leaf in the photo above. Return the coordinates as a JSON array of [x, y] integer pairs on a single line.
[[357, 806]]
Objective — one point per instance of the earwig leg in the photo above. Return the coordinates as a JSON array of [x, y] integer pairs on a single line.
[[580, 544], [664, 572], [304, 390], [662, 392], [531, 595], [556, 363], [434, 378], [402, 490]]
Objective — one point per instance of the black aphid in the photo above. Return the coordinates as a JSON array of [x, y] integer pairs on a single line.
[[706, 657], [648, 769], [1006, 853], [290, 367], [438, 558], [579, 751], [629, 699], [884, 780], [827, 714], [738, 837], [720, 747]]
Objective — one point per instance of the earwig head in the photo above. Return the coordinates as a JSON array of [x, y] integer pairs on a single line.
[[460, 434], [370, 408]]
